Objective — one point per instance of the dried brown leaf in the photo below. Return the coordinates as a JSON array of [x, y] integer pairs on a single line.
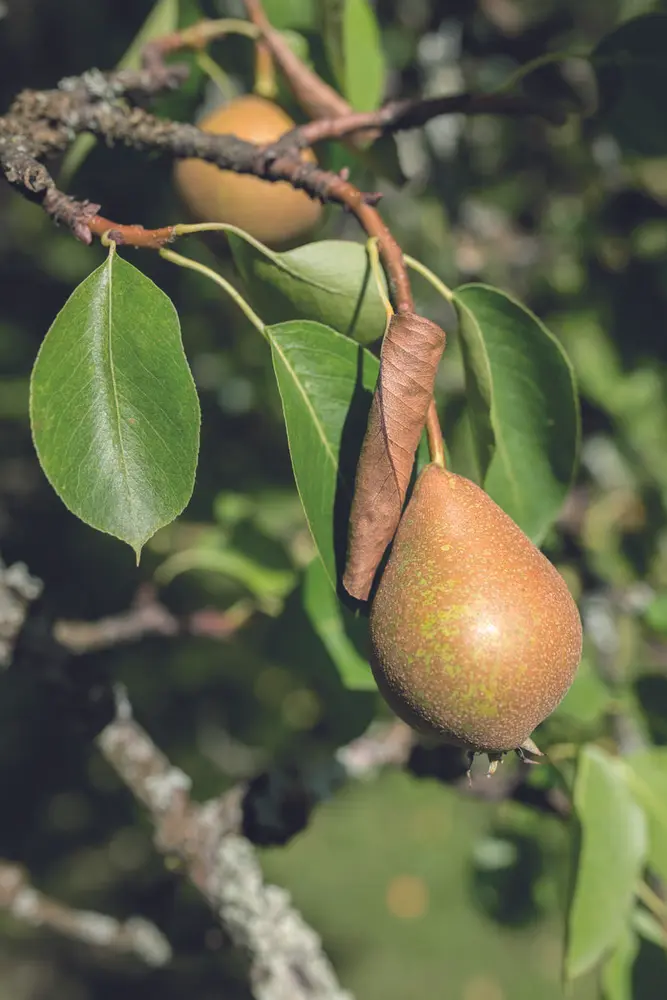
[[411, 352]]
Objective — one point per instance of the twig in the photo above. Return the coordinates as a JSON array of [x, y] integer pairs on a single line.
[[315, 96], [135, 936], [339, 121], [397, 116], [17, 590], [196, 36], [148, 616], [87, 104], [285, 956], [43, 123]]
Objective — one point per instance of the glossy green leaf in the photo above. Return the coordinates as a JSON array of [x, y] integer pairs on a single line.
[[326, 383], [631, 69], [329, 282], [342, 634], [616, 978], [611, 856], [113, 407], [646, 774], [354, 49], [162, 19], [523, 406]]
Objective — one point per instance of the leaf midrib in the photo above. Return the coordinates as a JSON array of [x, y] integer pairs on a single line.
[[115, 399], [309, 405]]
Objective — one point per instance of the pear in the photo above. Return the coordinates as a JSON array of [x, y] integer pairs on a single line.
[[275, 213], [475, 636]]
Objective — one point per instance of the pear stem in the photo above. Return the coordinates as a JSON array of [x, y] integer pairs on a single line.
[[436, 445]]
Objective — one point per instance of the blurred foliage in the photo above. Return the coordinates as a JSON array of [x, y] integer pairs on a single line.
[[417, 888]]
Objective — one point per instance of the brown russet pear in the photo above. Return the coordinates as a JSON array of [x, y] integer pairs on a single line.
[[276, 214], [476, 638]]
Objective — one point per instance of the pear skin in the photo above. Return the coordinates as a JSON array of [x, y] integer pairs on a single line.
[[475, 635], [277, 214]]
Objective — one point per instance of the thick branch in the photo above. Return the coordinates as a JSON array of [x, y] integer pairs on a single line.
[[40, 124], [285, 956], [135, 936]]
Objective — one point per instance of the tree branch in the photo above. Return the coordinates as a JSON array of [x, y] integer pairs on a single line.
[[285, 956], [17, 590], [398, 116], [148, 616], [135, 936]]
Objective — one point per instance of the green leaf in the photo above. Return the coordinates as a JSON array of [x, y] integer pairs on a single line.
[[523, 406], [655, 614], [267, 583], [648, 927], [617, 971], [354, 49], [340, 631], [646, 775], [611, 857], [631, 71], [588, 698], [113, 407], [326, 383], [298, 15], [162, 19], [329, 282]]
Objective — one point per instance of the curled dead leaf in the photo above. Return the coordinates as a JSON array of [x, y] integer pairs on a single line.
[[411, 352]]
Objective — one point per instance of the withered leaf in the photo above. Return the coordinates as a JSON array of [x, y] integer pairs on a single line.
[[411, 352]]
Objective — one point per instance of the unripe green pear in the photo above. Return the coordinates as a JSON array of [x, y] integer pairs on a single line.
[[476, 638]]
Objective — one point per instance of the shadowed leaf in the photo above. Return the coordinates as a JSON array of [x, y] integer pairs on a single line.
[[325, 382], [329, 281], [631, 70], [523, 406], [341, 633], [162, 19], [613, 850]]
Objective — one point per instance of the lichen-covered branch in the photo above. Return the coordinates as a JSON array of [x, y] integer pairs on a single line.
[[17, 590], [284, 955], [135, 936], [41, 124]]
